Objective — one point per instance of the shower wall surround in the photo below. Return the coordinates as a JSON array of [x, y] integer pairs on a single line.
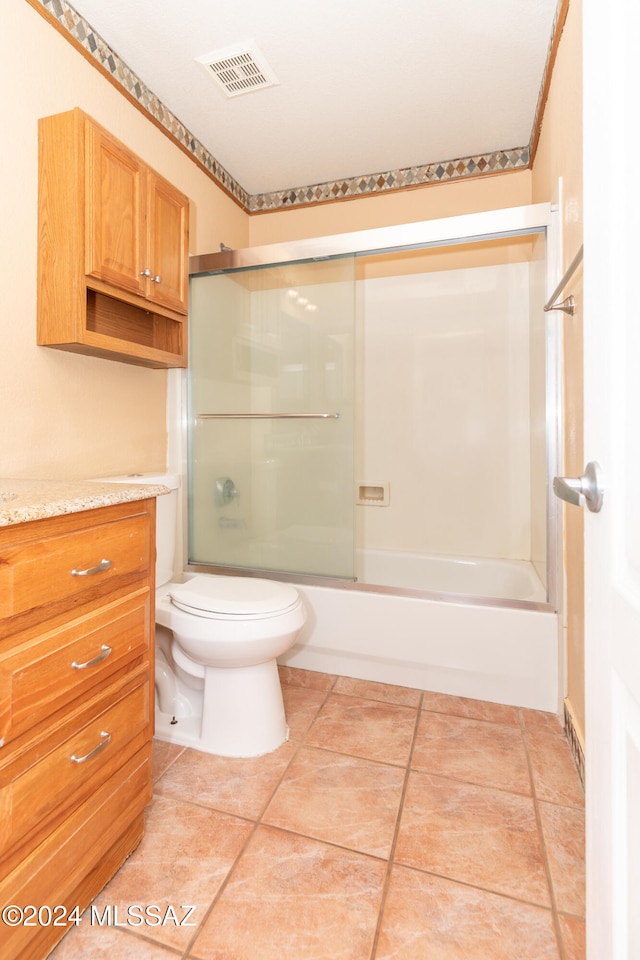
[[452, 402], [446, 412]]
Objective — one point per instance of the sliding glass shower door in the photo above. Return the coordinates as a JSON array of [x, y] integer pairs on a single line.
[[271, 418]]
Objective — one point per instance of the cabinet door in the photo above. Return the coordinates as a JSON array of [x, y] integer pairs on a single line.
[[168, 213], [115, 213]]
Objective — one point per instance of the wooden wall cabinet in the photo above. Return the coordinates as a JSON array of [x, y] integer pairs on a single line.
[[76, 709], [112, 248]]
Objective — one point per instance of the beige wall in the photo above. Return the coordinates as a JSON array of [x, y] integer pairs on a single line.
[[65, 415], [560, 155]]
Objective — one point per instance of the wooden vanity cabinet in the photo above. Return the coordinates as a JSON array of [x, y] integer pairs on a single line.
[[76, 709], [112, 248]]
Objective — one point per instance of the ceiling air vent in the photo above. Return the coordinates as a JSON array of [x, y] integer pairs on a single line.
[[238, 71]]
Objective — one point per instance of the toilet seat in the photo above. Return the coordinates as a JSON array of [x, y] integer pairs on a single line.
[[233, 598]]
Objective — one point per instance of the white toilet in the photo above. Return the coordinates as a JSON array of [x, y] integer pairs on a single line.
[[217, 639]]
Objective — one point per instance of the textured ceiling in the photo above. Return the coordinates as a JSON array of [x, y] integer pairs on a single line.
[[364, 86]]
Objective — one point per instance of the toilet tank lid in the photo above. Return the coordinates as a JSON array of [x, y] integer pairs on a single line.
[[234, 595]]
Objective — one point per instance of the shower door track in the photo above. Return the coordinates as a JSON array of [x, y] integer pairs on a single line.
[[358, 586], [467, 228]]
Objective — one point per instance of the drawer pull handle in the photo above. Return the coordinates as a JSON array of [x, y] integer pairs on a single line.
[[105, 650], [99, 568], [92, 753]]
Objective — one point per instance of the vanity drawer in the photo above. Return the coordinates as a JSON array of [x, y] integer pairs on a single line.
[[76, 565], [67, 867], [50, 782], [40, 675]]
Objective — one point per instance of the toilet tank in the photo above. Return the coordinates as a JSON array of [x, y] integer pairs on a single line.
[[166, 518]]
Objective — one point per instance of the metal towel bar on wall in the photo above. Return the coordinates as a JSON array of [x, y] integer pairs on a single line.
[[569, 304], [268, 416]]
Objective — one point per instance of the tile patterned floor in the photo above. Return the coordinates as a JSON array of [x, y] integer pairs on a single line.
[[393, 824]]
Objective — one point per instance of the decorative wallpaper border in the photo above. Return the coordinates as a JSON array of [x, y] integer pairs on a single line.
[[81, 33], [497, 162], [104, 57]]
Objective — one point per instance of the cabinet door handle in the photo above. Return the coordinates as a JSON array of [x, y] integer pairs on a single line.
[[92, 753], [105, 650], [90, 571], [147, 273]]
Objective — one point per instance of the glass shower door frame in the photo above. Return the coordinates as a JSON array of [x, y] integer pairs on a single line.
[[271, 419], [510, 222]]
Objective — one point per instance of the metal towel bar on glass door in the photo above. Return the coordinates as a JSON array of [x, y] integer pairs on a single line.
[[268, 416]]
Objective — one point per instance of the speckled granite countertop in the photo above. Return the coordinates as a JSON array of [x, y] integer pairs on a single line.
[[23, 500]]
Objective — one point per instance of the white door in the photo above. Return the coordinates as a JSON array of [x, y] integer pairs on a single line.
[[612, 437]]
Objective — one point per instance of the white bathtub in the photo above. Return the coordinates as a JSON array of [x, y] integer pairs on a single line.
[[468, 576], [496, 652]]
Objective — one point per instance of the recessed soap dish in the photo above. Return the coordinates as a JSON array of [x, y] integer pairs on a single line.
[[373, 494]]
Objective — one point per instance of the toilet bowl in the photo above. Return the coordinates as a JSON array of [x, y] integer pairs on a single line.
[[217, 640], [226, 633]]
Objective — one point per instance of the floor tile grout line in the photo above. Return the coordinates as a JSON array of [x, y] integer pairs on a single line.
[[562, 734], [327, 843], [471, 783], [333, 677], [137, 935], [540, 799], [183, 952], [565, 806], [220, 809], [543, 844], [341, 753], [201, 805], [462, 716], [294, 754], [171, 762], [522, 901], [256, 824], [494, 786], [354, 756], [220, 890], [571, 916], [394, 840], [224, 810]]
